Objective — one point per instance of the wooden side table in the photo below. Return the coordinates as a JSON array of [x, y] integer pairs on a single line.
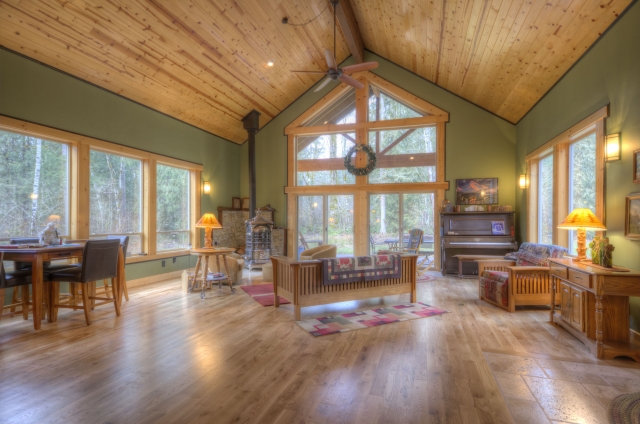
[[206, 253], [594, 306]]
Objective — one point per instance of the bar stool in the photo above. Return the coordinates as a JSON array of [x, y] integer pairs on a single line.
[[99, 262]]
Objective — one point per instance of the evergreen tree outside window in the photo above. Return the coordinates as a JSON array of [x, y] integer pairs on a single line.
[[582, 182], [173, 226], [545, 203], [34, 182], [116, 198]]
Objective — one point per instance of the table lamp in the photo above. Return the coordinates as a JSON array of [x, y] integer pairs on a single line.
[[582, 219], [208, 222]]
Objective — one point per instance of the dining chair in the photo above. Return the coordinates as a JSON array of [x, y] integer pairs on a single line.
[[303, 242], [14, 280], [99, 262], [124, 242]]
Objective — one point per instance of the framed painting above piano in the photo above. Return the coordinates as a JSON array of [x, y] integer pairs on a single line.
[[475, 233]]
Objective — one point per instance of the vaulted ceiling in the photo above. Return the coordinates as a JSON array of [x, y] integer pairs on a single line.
[[205, 61]]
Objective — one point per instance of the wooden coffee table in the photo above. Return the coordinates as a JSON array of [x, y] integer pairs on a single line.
[[472, 258]]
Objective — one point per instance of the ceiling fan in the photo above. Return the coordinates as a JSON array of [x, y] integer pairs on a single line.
[[334, 73]]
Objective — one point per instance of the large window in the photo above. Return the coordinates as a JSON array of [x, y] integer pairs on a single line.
[[566, 173], [34, 182], [582, 181], [173, 208], [545, 204], [116, 198], [92, 189]]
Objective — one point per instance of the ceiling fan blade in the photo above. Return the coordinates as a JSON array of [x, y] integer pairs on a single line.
[[359, 67], [310, 72], [324, 84], [331, 62], [351, 81]]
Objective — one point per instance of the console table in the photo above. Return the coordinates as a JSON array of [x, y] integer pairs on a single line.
[[594, 306]]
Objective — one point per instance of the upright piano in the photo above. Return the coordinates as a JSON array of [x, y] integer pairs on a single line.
[[475, 233]]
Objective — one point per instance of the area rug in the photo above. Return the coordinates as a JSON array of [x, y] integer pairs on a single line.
[[369, 318], [424, 278], [263, 294], [625, 409]]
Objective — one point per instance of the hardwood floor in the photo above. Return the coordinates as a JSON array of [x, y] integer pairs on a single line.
[[173, 357]]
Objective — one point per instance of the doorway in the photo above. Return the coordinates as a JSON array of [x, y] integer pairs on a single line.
[[326, 219]]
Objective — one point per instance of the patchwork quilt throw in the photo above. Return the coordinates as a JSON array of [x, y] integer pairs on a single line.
[[360, 268]]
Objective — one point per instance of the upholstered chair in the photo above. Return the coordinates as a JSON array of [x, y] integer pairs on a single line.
[[523, 281], [235, 264], [324, 251]]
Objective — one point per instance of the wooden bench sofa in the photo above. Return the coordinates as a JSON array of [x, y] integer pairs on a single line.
[[300, 282]]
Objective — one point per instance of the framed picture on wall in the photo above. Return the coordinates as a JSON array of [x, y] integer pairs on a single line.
[[245, 203], [636, 166], [632, 217], [236, 203], [477, 191]]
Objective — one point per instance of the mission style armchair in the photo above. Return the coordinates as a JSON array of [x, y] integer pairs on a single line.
[[521, 281]]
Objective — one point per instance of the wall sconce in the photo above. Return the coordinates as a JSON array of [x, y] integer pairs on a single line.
[[612, 148], [522, 181], [206, 187]]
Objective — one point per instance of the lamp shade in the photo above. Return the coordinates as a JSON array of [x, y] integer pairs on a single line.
[[582, 218], [208, 220]]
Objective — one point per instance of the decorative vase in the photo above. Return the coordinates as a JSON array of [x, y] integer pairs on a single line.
[[606, 259]]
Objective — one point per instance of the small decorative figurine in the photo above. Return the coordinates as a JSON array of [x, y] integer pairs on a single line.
[[49, 235]]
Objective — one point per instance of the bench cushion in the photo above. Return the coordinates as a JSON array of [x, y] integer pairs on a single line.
[[494, 286]]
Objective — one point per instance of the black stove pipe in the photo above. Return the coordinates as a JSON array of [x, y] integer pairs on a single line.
[[251, 123]]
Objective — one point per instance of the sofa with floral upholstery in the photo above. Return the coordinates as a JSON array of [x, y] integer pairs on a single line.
[[523, 279]]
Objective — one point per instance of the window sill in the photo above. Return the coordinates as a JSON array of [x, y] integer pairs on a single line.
[[158, 256]]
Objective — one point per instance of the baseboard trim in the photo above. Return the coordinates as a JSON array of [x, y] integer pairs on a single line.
[[153, 279]]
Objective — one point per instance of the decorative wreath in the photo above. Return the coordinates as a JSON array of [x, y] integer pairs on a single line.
[[371, 160]]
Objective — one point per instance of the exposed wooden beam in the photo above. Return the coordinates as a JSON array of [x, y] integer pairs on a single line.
[[369, 188], [350, 30], [389, 124], [396, 141], [386, 161]]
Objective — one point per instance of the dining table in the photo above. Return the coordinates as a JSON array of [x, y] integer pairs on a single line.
[[37, 256]]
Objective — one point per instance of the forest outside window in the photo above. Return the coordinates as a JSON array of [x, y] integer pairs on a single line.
[[116, 198], [566, 173], [172, 208], [34, 182]]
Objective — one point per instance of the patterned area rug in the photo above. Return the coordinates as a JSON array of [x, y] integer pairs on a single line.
[[370, 318], [263, 294], [424, 278], [625, 409]]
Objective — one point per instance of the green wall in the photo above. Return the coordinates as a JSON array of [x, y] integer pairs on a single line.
[[36, 93], [608, 74], [478, 144]]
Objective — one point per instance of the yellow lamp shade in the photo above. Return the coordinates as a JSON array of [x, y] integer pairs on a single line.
[[582, 218], [208, 220]]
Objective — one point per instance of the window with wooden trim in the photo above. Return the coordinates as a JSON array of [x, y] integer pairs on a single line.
[[115, 202], [327, 204], [34, 182], [564, 174], [173, 215], [151, 198]]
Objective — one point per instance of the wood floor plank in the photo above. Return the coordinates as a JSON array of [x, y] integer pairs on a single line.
[[172, 357]]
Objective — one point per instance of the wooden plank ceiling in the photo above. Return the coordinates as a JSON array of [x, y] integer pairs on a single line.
[[503, 55], [205, 61]]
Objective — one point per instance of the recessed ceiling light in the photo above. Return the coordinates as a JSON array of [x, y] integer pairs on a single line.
[[411, 158], [270, 63]]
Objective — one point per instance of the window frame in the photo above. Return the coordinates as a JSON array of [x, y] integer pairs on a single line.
[[560, 148], [362, 187], [79, 172], [68, 203]]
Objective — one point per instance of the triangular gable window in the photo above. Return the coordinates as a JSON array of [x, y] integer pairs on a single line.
[[341, 111], [383, 107]]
